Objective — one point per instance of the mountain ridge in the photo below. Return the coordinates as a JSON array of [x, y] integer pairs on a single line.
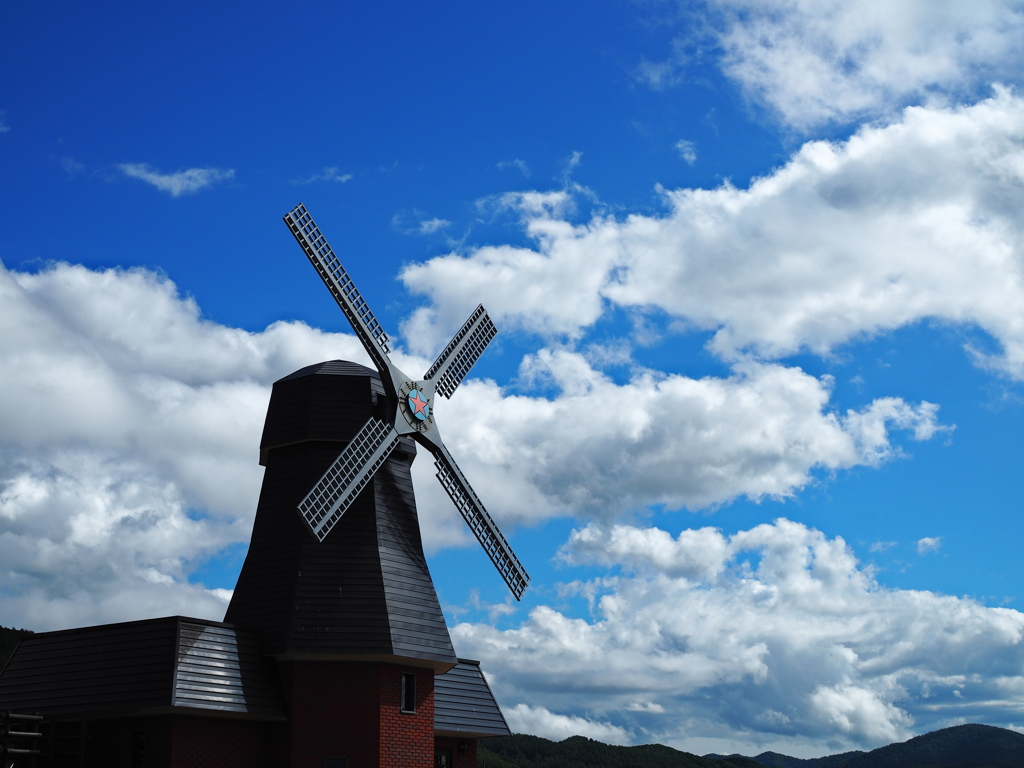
[[961, 746]]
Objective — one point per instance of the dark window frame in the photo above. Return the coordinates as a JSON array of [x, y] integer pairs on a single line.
[[407, 702]]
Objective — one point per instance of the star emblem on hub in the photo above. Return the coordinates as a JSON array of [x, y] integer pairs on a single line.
[[418, 405]]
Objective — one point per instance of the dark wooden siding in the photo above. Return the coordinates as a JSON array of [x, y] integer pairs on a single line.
[[365, 590], [464, 704], [417, 624]]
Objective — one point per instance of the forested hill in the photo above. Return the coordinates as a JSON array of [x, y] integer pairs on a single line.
[[962, 746], [9, 639], [522, 751]]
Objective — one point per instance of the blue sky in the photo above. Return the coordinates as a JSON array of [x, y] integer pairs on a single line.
[[751, 421]]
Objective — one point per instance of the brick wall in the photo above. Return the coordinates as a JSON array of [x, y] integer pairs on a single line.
[[406, 739], [353, 710]]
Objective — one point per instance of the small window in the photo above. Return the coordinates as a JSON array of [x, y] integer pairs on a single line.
[[408, 691], [335, 762]]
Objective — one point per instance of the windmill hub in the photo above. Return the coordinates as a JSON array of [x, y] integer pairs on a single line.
[[420, 407], [417, 403]]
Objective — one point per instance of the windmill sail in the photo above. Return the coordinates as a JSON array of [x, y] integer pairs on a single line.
[[324, 505], [341, 286], [410, 412], [462, 352], [483, 527]]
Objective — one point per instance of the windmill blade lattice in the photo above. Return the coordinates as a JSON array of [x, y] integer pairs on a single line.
[[338, 282], [355, 466], [462, 352], [476, 517], [411, 411]]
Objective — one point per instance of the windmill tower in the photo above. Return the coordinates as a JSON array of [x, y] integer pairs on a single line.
[[335, 578]]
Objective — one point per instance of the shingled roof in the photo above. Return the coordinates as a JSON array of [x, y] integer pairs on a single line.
[[464, 705], [179, 664], [156, 665]]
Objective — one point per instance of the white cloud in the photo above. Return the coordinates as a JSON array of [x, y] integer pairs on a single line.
[[811, 62], [118, 394], [668, 440], [538, 721], [4, 127], [646, 706], [902, 223], [774, 634], [570, 164], [129, 452], [185, 182], [329, 173], [696, 555], [929, 544], [430, 226], [687, 150], [415, 222]]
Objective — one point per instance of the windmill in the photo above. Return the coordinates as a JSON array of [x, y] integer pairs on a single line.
[[334, 650], [409, 411]]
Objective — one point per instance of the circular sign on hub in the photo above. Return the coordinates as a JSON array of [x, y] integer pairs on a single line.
[[418, 405]]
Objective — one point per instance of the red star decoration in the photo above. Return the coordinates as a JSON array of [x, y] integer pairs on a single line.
[[419, 405]]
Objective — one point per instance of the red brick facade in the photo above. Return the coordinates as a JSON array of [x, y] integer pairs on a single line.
[[406, 739], [353, 710]]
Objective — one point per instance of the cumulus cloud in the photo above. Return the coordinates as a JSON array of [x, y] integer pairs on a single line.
[[902, 223], [185, 182], [929, 544], [696, 555], [813, 62], [522, 718], [669, 440], [776, 634], [129, 452], [118, 394]]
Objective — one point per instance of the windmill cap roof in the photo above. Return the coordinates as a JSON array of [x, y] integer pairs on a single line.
[[332, 368], [326, 402]]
